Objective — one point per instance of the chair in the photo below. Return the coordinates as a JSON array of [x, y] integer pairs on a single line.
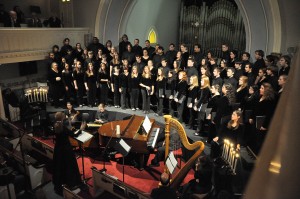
[[85, 117]]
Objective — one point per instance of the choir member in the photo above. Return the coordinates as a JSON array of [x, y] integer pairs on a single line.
[[160, 90], [56, 84], [180, 95], [103, 81], [67, 78], [242, 90], [134, 89], [147, 88], [124, 78], [90, 79], [78, 77], [192, 97], [115, 85]]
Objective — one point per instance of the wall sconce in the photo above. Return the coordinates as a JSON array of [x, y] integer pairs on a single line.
[[65, 1]]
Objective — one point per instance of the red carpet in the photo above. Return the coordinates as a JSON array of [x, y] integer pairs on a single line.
[[144, 180]]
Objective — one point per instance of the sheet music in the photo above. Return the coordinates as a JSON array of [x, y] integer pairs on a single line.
[[84, 137], [147, 124], [171, 162], [125, 145]]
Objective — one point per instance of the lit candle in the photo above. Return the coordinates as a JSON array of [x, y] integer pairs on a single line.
[[230, 155], [46, 91], [42, 94], [232, 159], [235, 162], [35, 95], [27, 95], [224, 147], [227, 149], [38, 94], [30, 94]]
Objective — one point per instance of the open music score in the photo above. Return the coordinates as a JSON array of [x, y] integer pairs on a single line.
[[82, 136]]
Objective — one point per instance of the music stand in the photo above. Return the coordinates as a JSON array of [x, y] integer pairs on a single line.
[[82, 138], [122, 147]]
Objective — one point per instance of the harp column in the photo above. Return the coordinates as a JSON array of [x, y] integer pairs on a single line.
[[167, 137]]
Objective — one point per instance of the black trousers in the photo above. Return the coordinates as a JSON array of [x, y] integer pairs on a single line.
[[103, 93], [79, 94], [91, 94], [160, 105], [116, 96], [146, 100], [124, 98], [134, 98]]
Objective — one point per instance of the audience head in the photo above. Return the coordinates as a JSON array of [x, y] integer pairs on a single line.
[[253, 90], [245, 56], [230, 72], [272, 70], [228, 91], [164, 179], [270, 60], [225, 47], [284, 61], [266, 91], [101, 107], [191, 62], [197, 48], [282, 80], [69, 106], [259, 54], [205, 82], [124, 37], [66, 41], [182, 76], [215, 89], [223, 64], [171, 46], [248, 68], [194, 81], [243, 81], [233, 54], [147, 43]]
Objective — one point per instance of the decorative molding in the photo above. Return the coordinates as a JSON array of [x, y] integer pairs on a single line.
[[30, 44]]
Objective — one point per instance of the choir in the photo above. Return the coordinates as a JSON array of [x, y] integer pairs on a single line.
[[195, 88]]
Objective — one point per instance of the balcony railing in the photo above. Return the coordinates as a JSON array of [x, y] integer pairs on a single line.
[[29, 44]]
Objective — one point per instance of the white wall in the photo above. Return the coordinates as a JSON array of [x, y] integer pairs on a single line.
[[290, 23], [85, 13], [162, 15]]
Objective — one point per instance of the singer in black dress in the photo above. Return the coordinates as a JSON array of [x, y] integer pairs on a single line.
[[65, 168]]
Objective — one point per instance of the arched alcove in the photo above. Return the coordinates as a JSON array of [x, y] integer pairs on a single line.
[[262, 21], [152, 37]]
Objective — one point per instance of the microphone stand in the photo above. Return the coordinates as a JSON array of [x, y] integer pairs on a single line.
[[105, 149]]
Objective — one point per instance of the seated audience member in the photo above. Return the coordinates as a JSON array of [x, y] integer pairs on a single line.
[[35, 21], [233, 130], [20, 14], [201, 184], [101, 115], [71, 113], [53, 22], [12, 21], [164, 191]]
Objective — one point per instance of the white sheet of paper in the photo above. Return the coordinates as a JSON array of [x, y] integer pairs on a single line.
[[125, 145], [147, 124], [171, 162], [84, 137]]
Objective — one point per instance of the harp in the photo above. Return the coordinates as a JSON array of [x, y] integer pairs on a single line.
[[197, 147]]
